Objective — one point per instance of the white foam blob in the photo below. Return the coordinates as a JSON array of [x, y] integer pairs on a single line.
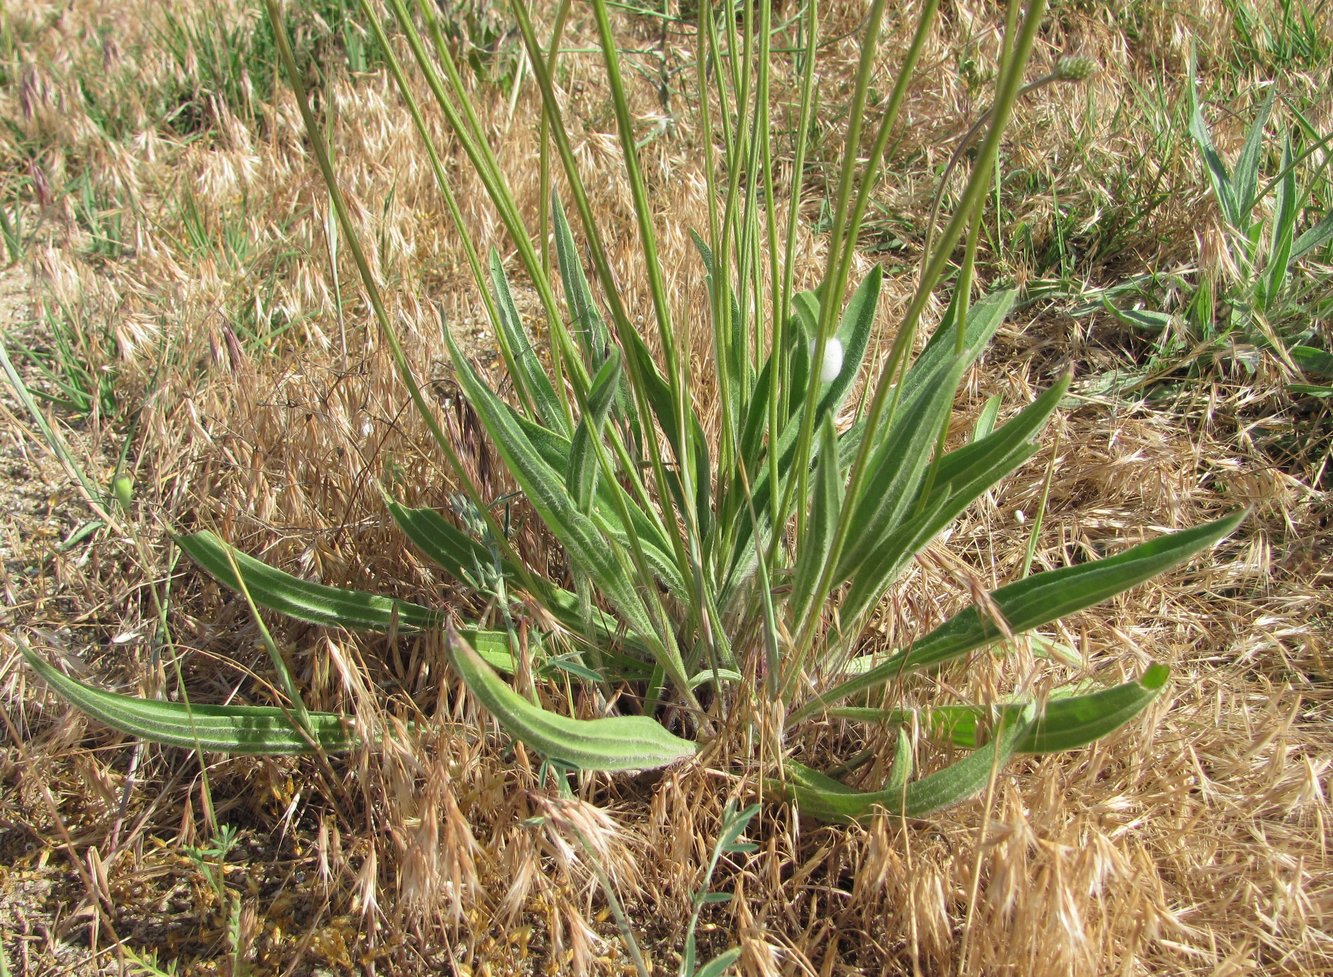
[[832, 360]]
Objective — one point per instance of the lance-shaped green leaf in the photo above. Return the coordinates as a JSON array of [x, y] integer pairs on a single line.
[[526, 372], [1283, 232], [316, 603], [303, 599], [984, 318], [610, 744], [1030, 603], [589, 328], [545, 489], [827, 799], [897, 468], [853, 333], [884, 563], [976, 467], [823, 521], [254, 730], [557, 451], [1069, 720], [445, 543], [581, 474]]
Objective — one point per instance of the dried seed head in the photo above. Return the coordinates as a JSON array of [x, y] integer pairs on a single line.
[[1074, 69]]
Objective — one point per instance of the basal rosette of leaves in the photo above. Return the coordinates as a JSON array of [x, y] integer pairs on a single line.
[[704, 553]]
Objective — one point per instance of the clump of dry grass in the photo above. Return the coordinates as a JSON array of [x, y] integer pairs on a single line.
[[1193, 844]]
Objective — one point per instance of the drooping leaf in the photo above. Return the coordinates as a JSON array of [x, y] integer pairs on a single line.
[[611, 744], [827, 799], [254, 730], [1068, 722], [1032, 602], [316, 603], [303, 599]]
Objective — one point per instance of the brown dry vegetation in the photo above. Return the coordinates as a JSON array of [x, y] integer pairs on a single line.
[[1192, 842]]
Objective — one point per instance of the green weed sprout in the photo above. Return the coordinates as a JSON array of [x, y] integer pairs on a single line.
[[707, 555]]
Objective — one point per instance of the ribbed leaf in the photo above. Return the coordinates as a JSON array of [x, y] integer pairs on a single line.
[[853, 333], [587, 323], [897, 467], [581, 475], [830, 800], [302, 599], [611, 744], [1032, 602], [443, 542], [1246, 175], [823, 521], [254, 730], [557, 451], [1223, 189], [275, 590], [1283, 232], [545, 489], [527, 372], [960, 478], [1070, 721], [884, 564], [1316, 236]]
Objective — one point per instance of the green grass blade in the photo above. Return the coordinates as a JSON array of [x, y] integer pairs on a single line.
[[1032, 602], [830, 800], [612, 744], [255, 730]]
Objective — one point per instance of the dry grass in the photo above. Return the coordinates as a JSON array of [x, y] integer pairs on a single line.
[[1191, 843]]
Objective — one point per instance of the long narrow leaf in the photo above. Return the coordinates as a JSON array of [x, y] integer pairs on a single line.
[[581, 474], [302, 599], [611, 744], [254, 730], [528, 375], [545, 489], [1069, 721], [830, 800], [1031, 603], [315, 603]]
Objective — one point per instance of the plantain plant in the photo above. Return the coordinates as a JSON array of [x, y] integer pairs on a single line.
[[725, 565]]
